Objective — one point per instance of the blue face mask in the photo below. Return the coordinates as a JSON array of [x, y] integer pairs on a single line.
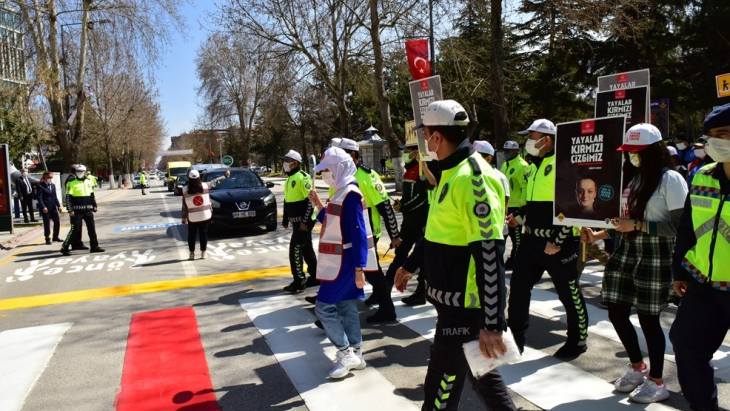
[[507, 156]]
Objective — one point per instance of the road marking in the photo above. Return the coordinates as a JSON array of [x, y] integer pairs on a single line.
[[164, 365], [144, 227], [306, 355], [24, 354]]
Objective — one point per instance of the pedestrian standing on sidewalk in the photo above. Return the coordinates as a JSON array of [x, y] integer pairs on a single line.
[[345, 251], [25, 190], [701, 268], [197, 210], [299, 212], [638, 274], [50, 207]]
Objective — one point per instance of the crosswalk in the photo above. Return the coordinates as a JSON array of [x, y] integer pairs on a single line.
[[165, 362]]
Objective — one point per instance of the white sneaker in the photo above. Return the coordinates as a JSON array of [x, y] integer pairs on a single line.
[[203, 255], [345, 360], [358, 353], [630, 379], [649, 392], [191, 257]]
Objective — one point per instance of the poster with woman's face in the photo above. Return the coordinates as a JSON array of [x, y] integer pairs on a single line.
[[588, 172]]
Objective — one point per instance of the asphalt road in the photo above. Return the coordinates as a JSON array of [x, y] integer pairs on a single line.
[[70, 329]]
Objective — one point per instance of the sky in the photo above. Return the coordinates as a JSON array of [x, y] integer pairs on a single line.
[[176, 78]]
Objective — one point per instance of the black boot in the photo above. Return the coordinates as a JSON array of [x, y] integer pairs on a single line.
[[48, 241], [415, 299], [295, 287], [571, 350]]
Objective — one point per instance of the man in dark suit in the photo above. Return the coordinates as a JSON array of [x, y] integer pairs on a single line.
[[25, 192], [50, 207]]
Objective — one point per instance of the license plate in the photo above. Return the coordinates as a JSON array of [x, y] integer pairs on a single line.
[[244, 214]]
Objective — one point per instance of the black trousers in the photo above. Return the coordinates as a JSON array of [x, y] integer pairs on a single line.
[[26, 205], [562, 268], [76, 239], [301, 251], [381, 291], [448, 369], [51, 215], [411, 233], [81, 217], [515, 234], [702, 322], [193, 230]]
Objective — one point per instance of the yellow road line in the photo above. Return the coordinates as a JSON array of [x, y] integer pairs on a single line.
[[144, 288]]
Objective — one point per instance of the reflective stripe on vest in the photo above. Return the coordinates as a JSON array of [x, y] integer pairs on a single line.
[[707, 261], [331, 248], [199, 206]]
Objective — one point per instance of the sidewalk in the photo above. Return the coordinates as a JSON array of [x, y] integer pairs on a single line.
[[23, 232]]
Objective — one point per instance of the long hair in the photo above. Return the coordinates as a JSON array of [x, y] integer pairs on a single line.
[[655, 160], [195, 185]]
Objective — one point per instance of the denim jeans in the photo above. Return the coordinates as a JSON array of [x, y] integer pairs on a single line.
[[342, 334]]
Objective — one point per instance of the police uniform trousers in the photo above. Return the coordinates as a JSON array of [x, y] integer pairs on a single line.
[[515, 235], [702, 321], [80, 217], [76, 240], [448, 369], [562, 268], [381, 291], [51, 215], [301, 251], [411, 232]]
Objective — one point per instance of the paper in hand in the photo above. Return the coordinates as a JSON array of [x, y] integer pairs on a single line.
[[481, 365]]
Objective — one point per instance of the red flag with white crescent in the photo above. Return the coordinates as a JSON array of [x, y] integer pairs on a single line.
[[417, 52]]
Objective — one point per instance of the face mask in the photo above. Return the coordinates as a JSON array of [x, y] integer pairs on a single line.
[[718, 149], [530, 147], [700, 153], [287, 167], [635, 160], [25, 174], [80, 174], [328, 178], [507, 156], [406, 158], [49, 180], [681, 146], [430, 153]]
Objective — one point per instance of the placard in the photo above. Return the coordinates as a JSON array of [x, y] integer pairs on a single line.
[[423, 93], [631, 103]]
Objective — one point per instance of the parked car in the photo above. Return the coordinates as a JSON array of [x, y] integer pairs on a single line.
[[242, 200], [136, 183], [182, 179]]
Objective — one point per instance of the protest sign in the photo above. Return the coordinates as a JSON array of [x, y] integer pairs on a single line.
[[423, 93], [588, 172], [660, 116], [628, 79], [631, 103]]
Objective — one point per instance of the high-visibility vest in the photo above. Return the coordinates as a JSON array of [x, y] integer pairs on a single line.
[[374, 193], [199, 206], [331, 246], [708, 260], [516, 170]]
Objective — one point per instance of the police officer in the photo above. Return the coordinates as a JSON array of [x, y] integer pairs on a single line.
[[142, 181], [299, 211], [700, 269], [378, 203], [414, 207], [545, 247], [464, 277], [76, 243], [515, 168], [81, 205]]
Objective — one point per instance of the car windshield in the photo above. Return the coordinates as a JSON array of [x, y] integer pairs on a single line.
[[238, 179], [181, 180]]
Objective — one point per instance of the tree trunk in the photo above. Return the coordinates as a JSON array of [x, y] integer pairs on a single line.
[[77, 131], [383, 100], [499, 100]]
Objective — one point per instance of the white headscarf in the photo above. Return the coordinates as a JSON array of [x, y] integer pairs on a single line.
[[340, 164]]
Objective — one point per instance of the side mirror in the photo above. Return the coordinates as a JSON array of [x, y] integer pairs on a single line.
[[269, 184]]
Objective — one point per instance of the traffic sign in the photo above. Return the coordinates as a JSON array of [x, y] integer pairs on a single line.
[[723, 85], [227, 161]]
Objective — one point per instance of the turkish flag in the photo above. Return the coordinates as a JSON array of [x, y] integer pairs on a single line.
[[417, 51]]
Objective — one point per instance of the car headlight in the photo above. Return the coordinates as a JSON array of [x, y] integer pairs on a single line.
[[215, 204], [270, 199]]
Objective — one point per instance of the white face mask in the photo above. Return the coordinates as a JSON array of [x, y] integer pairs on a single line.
[[718, 149], [430, 153], [635, 160], [530, 147], [49, 180], [80, 174], [681, 146], [328, 178], [287, 167], [700, 153]]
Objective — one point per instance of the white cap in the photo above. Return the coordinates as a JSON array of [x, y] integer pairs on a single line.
[[672, 151], [332, 156], [193, 174], [640, 136], [511, 145], [444, 113], [292, 155], [347, 144], [542, 126], [80, 167], [483, 147]]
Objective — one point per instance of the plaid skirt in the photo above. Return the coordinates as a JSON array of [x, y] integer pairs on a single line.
[[639, 273]]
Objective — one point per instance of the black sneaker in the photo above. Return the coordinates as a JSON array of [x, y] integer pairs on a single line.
[[570, 350], [370, 301], [79, 247], [414, 300], [603, 304], [312, 299], [295, 288], [48, 241], [312, 281], [97, 250], [57, 240], [65, 252], [319, 324], [379, 317]]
